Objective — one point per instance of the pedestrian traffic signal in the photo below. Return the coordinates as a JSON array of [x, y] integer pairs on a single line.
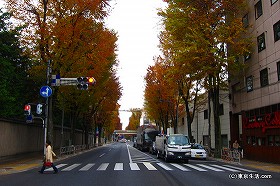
[[27, 110], [39, 109]]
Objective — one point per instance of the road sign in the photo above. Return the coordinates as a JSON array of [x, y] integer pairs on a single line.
[[29, 119], [45, 91]]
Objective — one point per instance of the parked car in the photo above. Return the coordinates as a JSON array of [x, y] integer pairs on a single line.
[[198, 151], [123, 140]]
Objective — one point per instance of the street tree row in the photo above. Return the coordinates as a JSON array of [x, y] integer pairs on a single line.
[[202, 42]]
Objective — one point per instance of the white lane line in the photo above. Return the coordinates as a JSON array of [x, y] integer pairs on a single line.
[[226, 168], [57, 166], [103, 166], [101, 155], [87, 167], [71, 167], [164, 166], [134, 166], [195, 167], [180, 167], [247, 170], [211, 168], [149, 166], [118, 166], [130, 161]]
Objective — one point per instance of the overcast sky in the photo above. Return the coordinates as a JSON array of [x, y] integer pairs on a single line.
[[137, 25]]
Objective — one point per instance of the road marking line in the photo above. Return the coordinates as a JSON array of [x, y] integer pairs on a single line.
[[247, 170], [180, 167], [226, 168], [118, 166], [103, 166], [71, 167], [164, 166], [149, 166], [87, 167], [134, 166], [129, 156], [57, 166], [195, 167], [211, 168], [101, 155]]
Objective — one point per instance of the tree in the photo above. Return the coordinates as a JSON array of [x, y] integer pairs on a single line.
[[13, 70], [198, 36], [134, 119]]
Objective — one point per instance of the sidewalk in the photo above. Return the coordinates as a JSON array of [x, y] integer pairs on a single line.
[[23, 162]]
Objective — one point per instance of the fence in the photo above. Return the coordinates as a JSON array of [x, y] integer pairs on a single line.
[[231, 155], [72, 149]]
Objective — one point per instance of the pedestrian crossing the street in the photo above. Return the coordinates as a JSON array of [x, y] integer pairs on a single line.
[[149, 166]]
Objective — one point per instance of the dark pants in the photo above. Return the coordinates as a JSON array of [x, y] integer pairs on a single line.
[[52, 165]]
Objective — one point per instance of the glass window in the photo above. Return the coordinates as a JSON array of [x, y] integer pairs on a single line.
[[273, 1], [221, 109], [264, 77], [205, 140], [253, 140], [276, 30], [261, 42], [249, 83], [245, 21], [270, 140], [278, 70], [258, 9], [277, 141], [248, 140], [205, 114]]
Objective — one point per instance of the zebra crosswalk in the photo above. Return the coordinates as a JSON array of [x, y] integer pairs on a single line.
[[149, 166]]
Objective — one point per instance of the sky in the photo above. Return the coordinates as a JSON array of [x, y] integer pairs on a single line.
[[138, 27]]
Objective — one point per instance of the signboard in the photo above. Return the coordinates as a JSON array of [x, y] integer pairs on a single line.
[[45, 91]]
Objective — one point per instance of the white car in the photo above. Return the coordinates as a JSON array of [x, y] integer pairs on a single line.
[[198, 151]]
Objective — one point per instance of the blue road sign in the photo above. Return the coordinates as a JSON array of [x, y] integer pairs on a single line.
[[45, 91]]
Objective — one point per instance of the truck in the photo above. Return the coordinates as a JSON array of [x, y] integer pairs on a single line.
[[173, 147], [146, 135]]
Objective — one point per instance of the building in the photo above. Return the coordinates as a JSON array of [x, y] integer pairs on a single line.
[[200, 124], [255, 100]]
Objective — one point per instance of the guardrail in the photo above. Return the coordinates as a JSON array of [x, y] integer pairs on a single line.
[[72, 149]]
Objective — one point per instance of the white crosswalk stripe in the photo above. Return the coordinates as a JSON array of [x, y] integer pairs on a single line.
[[103, 166], [134, 166], [150, 166], [118, 166], [180, 167], [87, 167], [164, 166], [71, 167]]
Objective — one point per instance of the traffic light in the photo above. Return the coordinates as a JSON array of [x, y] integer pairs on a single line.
[[82, 83], [39, 109], [27, 110]]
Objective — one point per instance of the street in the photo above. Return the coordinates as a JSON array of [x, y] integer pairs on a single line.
[[120, 164]]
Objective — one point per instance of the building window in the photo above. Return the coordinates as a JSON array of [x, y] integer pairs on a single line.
[[277, 141], [249, 83], [258, 9], [276, 29], [261, 42], [248, 140], [253, 140], [205, 140], [221, 109], [264, 77], [224, 140], [245, 21], [205, 114], [278, 70], [183, 121], [270, 141], [273, 1]]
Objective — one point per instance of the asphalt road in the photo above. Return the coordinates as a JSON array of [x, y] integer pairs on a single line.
[[119, 164]]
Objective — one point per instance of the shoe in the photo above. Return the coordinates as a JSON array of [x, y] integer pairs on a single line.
[[40, 172]]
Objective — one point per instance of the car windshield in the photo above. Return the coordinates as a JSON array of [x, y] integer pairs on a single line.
[[197, 146], [178, 140]]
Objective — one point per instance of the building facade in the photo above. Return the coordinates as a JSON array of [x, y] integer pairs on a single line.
[[255, 98]]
